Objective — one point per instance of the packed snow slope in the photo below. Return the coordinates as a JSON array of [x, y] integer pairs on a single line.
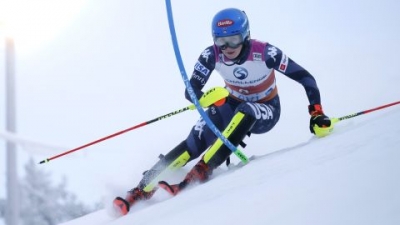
[[350, 177]]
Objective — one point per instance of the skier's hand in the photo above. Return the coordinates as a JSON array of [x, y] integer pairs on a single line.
[[215, 96], [320, 124]]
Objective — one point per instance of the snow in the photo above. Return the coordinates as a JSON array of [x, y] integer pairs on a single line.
[[94, 79], [349, 177]]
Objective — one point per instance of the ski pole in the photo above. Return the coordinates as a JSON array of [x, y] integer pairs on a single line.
[[208, 98], [336, 120], [324, 131]]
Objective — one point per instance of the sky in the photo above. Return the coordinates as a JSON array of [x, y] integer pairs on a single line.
[[349, 177], [89, 70]]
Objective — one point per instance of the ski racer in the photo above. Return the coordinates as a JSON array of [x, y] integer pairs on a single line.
[[248, 68]]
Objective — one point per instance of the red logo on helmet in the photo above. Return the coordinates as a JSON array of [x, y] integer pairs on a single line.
[[224, 23]]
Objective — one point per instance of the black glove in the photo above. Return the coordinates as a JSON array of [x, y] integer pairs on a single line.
[[318, 117]]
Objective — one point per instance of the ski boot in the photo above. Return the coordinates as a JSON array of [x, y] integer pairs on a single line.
[[199, 173]]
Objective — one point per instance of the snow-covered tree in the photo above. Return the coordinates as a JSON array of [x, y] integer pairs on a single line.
[[2, 208], [43, 203]]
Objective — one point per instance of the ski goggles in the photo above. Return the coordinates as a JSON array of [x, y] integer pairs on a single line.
[[233, 41]]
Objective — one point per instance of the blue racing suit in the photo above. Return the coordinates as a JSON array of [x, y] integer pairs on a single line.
[[250, 80]]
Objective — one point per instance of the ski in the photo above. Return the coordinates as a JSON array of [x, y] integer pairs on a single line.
[[174, 189]]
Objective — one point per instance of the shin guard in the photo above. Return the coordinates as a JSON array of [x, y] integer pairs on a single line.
[[175, 159], [235, 132]]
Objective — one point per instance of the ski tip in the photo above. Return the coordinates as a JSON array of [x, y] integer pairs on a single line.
[[171, 189], [121, 206]]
